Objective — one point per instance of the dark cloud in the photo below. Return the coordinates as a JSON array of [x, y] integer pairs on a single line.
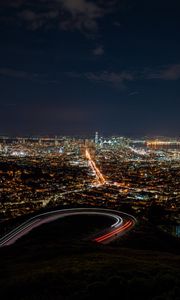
[[80, 15], [116, 79], [111, 77], [11, 3], [171, 72], [83, 14], [120, 79], [133, 93], [37, 20], [117, 24], [99, 50], [19, 74], [16, 73]]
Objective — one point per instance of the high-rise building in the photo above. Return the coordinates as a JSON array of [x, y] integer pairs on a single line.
[[96, 138], [56, 143]]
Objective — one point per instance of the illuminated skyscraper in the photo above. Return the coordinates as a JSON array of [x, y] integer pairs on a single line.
[[96, 138], [56, 141]]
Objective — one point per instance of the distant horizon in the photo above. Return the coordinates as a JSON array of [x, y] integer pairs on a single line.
[[54, 136]]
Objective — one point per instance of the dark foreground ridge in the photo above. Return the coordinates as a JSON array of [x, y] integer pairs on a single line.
[[56, 262]]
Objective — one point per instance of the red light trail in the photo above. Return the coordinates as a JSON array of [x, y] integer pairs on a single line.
[[114, 232], [111, 232]]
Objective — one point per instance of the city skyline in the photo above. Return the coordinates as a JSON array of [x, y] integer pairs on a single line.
[[76, 67]]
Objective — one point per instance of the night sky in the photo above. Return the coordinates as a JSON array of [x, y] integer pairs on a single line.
[[70, 67]]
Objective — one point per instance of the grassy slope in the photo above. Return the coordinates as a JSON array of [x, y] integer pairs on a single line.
[[142, 265]]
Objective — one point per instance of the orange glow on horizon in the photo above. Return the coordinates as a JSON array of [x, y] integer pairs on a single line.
[[158, 143]]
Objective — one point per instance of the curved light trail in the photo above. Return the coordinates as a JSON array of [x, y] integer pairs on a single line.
[[122, 223]]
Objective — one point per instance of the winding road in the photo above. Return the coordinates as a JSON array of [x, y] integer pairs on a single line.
[[121, 223]]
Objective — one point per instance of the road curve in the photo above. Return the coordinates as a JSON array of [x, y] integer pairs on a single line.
[[122, 223]]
